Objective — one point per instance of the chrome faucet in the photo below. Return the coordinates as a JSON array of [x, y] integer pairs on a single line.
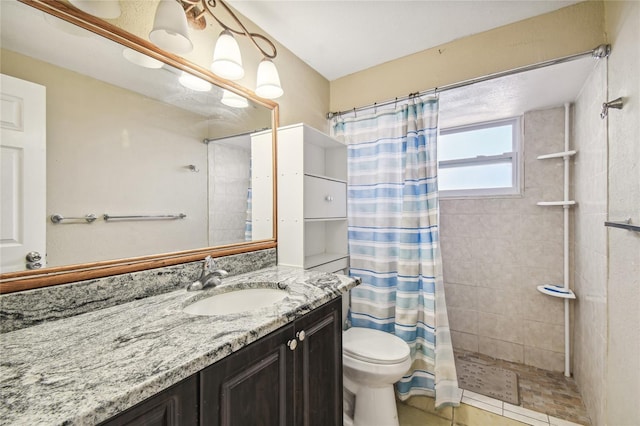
[[210, 276]]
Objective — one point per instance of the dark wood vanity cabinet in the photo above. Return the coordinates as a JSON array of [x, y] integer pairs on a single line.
[[251, 386], [293, 376], [175, 406], [318, 367]]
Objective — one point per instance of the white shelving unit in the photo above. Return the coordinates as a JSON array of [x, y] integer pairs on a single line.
[[555, 290], [312, 200]]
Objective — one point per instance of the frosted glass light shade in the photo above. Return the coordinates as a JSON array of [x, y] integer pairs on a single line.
[[227, 61], [192, 82], [268, 80], [234, 100], [105, 9], [170, 28], [141, 59]]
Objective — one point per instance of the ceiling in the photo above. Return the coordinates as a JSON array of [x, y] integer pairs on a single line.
[[337, 38]]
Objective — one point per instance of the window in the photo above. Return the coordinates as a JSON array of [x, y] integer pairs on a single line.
[[479, 160]]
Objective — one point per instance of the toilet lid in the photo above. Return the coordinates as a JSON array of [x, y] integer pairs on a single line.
[[374, 346]]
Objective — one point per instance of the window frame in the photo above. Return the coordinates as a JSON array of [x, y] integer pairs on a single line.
[[514, 157]]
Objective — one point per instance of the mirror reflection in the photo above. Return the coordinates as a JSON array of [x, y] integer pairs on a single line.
[[174, 162]]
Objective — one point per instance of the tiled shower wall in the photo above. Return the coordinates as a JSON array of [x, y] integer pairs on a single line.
[[590, 177], [229, 180], [496, 251]]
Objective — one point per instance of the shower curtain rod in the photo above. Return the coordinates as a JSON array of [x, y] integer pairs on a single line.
[[601, 51]]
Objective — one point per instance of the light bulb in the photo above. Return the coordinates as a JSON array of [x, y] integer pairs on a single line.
[[227, 61], [170, 28], [268, 80]]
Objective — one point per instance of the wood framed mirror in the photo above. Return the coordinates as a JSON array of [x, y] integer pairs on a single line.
[[187, 193]]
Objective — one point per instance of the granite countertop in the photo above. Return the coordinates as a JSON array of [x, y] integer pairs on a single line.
[[87, 368]]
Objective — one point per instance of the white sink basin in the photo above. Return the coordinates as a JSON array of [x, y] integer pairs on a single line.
[[233, 302]]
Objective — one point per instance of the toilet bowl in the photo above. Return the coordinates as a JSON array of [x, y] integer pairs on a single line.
[[372, 362]]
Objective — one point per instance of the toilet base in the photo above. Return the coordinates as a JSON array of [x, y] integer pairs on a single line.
[[376, 406]]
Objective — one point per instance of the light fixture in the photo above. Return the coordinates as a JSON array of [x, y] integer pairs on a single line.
[[170, 28], [105, 9], [192, 82], [268, 81], [227, 62], [234, 100]]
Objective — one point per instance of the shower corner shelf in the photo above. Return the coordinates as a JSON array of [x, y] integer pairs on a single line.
[[557, 155], [556, 203], [556, 291]]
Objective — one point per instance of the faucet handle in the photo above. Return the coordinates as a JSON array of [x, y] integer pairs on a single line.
[[209, 264]]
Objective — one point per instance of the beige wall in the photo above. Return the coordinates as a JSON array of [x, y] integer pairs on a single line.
[[306, 92], [495, 252], [566, 31]]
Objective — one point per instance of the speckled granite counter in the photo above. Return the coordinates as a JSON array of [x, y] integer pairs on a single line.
[[85, 369]]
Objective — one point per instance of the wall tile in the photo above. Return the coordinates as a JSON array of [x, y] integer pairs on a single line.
[[461, 296], [547, 360], [543, 335], [464, 341], [500, 327], [506, 302], [502, 350], [465, 320], [542, 308]]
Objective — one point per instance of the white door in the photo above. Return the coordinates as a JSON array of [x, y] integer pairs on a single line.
[[23, 173]]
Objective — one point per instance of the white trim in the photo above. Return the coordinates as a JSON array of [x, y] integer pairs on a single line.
[[514, 157]]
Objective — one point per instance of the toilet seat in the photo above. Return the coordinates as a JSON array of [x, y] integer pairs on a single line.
[[374, 346]]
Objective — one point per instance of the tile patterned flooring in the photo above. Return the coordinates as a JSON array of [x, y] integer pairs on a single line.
[[545, 397]]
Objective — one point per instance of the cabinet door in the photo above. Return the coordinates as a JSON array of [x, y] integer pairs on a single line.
[[318, 391], [176, 406], [324, 198], [251, 387]]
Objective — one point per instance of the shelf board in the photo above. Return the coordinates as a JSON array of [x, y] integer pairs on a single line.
[[335, 179], [325, 219], [557, 155], [322, 258], [556, 203], [556, 291]]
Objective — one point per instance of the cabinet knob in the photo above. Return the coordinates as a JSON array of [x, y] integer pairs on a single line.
[[33, 256], [292, 344], [300, 335], [328, 198]]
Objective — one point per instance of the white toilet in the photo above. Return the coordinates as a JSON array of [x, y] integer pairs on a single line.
[[372, 362]]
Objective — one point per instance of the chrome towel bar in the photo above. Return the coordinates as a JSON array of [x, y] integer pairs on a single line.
[[624, 225], [108, 217], [58, 218]]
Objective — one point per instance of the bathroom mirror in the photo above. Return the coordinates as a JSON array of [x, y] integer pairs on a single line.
[[170, 173]]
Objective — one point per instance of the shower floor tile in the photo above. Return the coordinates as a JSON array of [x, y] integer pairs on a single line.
[[542, 391]]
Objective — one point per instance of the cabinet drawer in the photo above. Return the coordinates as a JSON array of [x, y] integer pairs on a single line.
[[324, 198]]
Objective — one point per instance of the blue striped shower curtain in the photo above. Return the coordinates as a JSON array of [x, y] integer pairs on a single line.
[[393, 240]]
